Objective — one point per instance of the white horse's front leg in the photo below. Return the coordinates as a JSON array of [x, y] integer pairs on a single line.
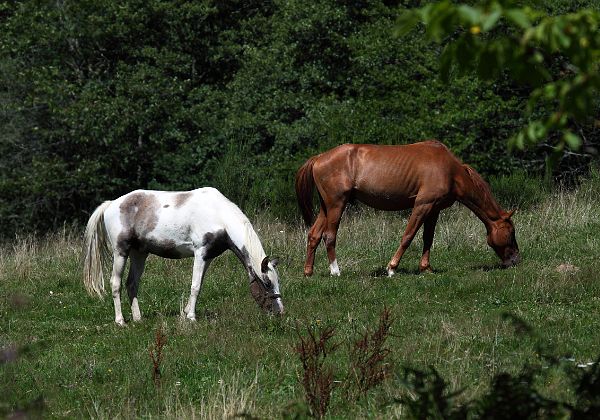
[[200, 266], [115, 283]]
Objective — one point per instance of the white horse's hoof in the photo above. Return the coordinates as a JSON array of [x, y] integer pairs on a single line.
[[391, 272], [191, 319], [120, 322]]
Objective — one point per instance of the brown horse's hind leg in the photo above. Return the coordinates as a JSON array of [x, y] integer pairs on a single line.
[[419, 214], [428, 231], [314, 238]]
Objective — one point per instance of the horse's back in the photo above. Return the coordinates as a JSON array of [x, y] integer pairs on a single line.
[[389, 177], [416, 155], [166, 223]]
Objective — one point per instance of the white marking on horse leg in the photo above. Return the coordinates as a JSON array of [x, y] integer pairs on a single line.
[[135, 310], [279, 305], [334, 269], [391, 272], [200, 266], [115, 283]]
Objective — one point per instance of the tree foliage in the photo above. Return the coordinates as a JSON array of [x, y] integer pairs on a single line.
[[556, 56], [98, 98]]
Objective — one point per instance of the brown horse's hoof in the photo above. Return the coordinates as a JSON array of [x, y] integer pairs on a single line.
[[427, 269], [308, 273]]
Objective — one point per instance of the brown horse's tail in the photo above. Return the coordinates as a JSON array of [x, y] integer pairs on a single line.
[[305, 184]]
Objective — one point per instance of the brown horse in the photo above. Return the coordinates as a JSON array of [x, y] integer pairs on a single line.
[[425, 176]]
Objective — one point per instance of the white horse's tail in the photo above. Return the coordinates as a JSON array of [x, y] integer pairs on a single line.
[[95, 251]]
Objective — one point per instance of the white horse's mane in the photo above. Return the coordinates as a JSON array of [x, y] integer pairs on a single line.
[[254, 246], [251, 241]]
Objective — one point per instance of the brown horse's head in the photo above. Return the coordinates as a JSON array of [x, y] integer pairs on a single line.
[[501, 237], [265, 288]]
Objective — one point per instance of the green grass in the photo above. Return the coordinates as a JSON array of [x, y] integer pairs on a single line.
[[235, 359]]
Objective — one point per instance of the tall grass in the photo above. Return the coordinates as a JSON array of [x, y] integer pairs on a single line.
[[71, 361]]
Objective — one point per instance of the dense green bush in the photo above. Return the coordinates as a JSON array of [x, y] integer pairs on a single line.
[[519, 190], [100, 98]]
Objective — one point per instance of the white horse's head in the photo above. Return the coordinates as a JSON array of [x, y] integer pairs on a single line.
[[265, 287]]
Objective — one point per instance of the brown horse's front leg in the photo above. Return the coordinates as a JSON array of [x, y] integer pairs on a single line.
[[428, 232], [314, 238], [417, 217]]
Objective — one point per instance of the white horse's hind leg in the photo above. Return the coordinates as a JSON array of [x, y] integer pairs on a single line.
[[136, 269], [200, 266], [115, 283]]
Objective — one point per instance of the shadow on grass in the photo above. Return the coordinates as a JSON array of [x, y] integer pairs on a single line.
[[382, 272], [488, 267]]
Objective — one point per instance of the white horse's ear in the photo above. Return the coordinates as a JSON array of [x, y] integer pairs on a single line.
[[275, 262], [264, 266]]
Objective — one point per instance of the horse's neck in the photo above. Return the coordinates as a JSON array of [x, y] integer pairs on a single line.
[[479, 200], [247, 246]]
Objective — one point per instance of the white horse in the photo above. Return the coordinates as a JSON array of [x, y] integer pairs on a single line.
[[201, 223]]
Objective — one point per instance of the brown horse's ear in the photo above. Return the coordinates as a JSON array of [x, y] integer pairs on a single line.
[[264, 266], [510, 213]]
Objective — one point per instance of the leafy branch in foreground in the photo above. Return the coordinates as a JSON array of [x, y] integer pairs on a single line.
[[510, 395], [557, 56], [429, 395]]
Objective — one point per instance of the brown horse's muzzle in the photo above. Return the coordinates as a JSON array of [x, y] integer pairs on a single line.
[[512, 260]]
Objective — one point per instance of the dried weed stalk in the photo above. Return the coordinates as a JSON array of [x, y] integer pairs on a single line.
[[368, 366], [156, 354], [317, 379]]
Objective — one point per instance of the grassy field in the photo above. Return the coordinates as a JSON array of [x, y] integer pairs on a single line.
[[62, 355]]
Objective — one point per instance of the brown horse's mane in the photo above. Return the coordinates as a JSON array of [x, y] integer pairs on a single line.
[[482, 187]]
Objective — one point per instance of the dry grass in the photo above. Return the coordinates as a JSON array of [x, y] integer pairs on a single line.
[[234, 398]]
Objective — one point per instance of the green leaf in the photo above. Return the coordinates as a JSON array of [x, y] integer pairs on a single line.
[[490, 20], [441, 21], [406, 22], [531, 133], [572, 140], [558, 38], [517, 141], [469, 14], [518, 17]]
